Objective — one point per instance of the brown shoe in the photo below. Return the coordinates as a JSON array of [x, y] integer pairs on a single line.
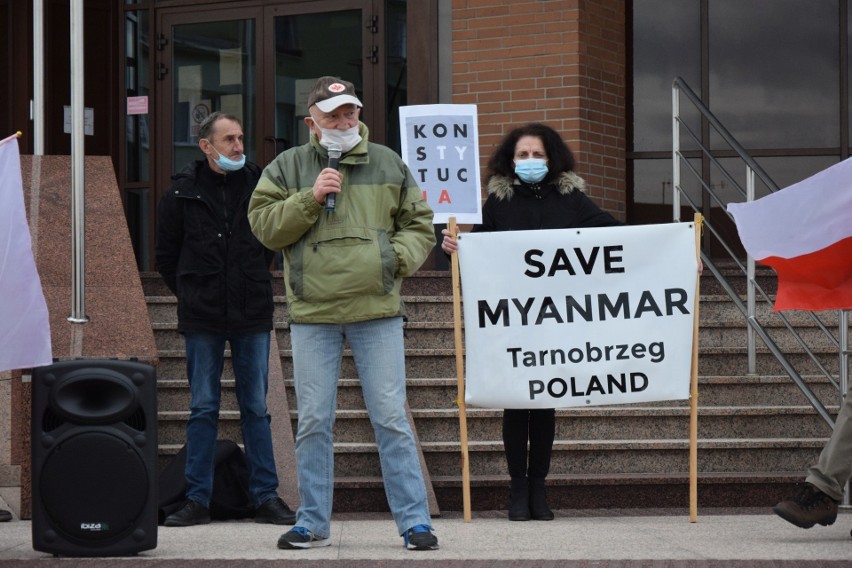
[[808, 507]]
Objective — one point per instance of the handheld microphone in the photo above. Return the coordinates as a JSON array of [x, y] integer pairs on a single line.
[[334, 151]]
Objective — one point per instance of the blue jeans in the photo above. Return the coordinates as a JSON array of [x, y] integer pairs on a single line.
[[377, 346], [205, 357]]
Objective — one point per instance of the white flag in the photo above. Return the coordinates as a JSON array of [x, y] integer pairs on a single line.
[[804, 232], [24, 319]]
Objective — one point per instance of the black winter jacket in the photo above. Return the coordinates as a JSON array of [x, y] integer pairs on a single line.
[[513, 205], [207, 254]]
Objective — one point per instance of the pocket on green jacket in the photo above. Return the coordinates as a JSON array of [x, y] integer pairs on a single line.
[[345, 263]]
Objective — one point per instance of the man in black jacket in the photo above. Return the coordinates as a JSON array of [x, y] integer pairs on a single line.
[[209, 258]]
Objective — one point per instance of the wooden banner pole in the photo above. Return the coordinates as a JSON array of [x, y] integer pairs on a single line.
[[693, 388], [457, 325]]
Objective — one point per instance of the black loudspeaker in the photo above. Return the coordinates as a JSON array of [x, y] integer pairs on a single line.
[[94, 455]]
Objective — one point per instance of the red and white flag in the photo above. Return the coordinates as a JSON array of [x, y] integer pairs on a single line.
[[804, 232], [24, 319]]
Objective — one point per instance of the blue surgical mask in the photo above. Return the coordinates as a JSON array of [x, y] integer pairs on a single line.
[[227, 164], [532, 170]]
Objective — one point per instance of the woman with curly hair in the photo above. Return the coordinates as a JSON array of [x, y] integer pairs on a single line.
[[531, 184]]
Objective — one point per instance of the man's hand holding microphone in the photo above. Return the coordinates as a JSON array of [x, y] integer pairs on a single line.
[[328, 182]]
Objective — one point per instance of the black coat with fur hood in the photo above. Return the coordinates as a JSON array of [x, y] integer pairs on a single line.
[[513, 205]]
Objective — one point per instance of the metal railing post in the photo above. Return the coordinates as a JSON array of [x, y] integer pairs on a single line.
[[844, 376], [750, 273], [675, 153]]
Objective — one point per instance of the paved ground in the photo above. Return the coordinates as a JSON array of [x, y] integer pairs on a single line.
[[588, 538]]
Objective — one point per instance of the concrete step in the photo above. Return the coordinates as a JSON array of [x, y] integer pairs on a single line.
[[172, 366], [731, 334], [163, 310], [602, 457], [604, 423], [438, 282], [625, 491], [440, 335], [173, 394], [437, 393], [418, 335], [731, 361], [713, 309], [424, 282], [764, 276], [172, 426], [426, 393], [654, 457]]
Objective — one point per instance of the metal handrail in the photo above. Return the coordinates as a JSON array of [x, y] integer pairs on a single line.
[[754, 326]]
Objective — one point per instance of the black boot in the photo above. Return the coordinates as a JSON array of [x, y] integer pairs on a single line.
[[519, 500], [538, 501]]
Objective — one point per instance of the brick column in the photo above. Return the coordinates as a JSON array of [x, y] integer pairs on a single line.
[[562, 63]]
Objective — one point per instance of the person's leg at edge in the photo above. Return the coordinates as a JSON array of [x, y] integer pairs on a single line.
[[542, 432], [816, 502], [250, 358], [317, 351], [205, 353], [834, 467], [377, 346], [515, 435]]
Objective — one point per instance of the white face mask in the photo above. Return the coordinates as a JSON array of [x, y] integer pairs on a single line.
[[347, 139]]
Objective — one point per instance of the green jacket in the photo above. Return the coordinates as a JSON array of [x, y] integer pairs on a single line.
[[347, 265]]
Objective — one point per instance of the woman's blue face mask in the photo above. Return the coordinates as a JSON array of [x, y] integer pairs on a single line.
[[531, 170]]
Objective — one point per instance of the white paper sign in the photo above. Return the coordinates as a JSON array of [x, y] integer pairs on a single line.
[[88, 120], [439, 144], [578, 317]]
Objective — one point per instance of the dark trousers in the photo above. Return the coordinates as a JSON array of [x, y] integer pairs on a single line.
[[538, 426]]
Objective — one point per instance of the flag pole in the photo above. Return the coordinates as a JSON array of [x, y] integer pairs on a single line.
[[693, 387], [78, 168], [460, 375]]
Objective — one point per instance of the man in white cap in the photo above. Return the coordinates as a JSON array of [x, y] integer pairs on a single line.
[[344, 266]]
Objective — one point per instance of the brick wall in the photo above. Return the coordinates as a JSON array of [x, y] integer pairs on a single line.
[[560, 62]]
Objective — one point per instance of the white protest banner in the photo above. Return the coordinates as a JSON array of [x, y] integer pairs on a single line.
[[439, 144], [578, 317]]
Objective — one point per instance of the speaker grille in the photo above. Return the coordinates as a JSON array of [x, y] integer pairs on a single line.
[[137, 420], [50, 420], [94, 486]]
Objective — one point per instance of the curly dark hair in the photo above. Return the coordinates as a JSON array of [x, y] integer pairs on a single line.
[[559, 157]]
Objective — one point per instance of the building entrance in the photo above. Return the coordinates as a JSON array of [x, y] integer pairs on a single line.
[[256, 62]]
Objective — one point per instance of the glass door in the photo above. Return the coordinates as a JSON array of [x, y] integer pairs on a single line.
[[215, 64], [258, 63], [304, 51], [207, 65]]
